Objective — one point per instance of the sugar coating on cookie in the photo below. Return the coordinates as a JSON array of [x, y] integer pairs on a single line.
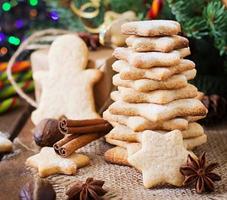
[[145, 85], [148, 60], [129, 72], [157, 96], [124, 133], [138, 123], [155, 112], [119, 154], [151, 28], [189, 143], [162, 44], [162, 157], [48, 162]]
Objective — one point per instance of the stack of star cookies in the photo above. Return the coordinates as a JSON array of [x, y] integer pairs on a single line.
[[153, 94]]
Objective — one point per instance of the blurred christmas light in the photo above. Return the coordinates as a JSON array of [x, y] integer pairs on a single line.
[[54, 15], [17, 17], [2, 37], [19, 23], [14, 40], [33, 13], [33, 2], [3, 51], [6, 6]]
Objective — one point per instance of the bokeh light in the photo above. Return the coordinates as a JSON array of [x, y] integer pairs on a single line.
[[14, 40], [6, 6], [33, 2], [54, 15], [3, 51]]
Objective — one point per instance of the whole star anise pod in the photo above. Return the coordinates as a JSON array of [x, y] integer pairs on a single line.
[[198, 173], [90, 190]]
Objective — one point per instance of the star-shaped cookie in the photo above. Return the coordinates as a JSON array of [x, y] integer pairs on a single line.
[[48, 162], [160, 158]]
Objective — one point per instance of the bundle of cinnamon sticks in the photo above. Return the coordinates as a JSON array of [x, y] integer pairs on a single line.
[[79, 133]]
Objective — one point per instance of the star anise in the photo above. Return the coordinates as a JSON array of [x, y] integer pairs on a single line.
[[198, 173], [90, 190]]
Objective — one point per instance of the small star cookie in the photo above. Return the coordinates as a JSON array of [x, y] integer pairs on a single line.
[[5, 144], [160, 158], [48, 162]]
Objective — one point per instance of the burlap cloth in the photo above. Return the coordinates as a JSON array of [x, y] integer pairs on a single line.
[[126, 183]]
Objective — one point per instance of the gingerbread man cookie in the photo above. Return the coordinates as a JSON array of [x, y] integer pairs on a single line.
[[67, 86]]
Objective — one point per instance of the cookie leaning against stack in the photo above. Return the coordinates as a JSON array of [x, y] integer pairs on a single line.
[[154, 102]]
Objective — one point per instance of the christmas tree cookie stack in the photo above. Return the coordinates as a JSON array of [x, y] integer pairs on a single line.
[[155, 108]]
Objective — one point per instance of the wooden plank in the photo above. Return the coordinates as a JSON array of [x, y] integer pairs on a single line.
[[13, 174], [12, 122]]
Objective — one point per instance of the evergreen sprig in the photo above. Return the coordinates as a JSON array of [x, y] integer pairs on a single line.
[[201, 18], [216, 17], [67, 19], [138, 6], [70, 21]]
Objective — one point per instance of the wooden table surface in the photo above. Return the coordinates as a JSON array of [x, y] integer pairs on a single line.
[[13, 174]]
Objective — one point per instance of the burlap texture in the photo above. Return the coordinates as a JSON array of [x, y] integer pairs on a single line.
[[125, 183]]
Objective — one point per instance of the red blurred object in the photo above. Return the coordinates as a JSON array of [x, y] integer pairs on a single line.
[[17, 67], [155, 9]]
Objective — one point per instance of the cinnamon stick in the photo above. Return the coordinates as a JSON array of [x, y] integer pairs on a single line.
[[87, 122], [64, 124], [89, 129], [68, 141], [70, 147], [63, 141], [79, 133]]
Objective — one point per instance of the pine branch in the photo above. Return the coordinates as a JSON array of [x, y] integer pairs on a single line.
[[201, 18], [70, 21], [120, 6], [67, 19], [216, 17]]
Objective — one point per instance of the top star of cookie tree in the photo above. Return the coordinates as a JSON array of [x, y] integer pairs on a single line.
[[154, 95]]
